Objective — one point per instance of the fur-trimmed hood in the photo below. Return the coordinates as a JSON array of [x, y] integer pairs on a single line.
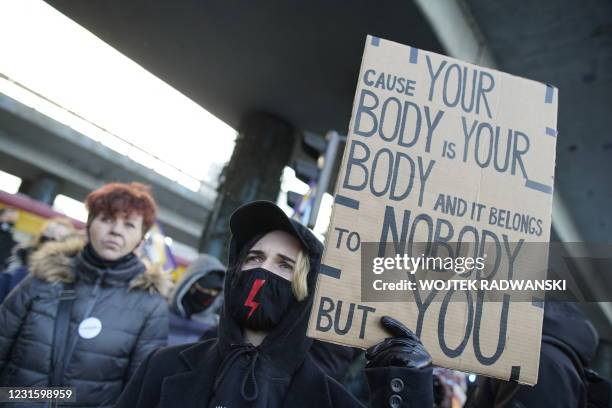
[[54, 263]]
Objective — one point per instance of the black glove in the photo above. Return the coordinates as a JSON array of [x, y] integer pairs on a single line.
[[404, 349]]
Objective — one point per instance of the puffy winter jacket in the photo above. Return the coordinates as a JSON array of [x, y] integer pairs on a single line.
[[127, 300]]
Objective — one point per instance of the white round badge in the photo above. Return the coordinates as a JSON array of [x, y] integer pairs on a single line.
[[90, 328]]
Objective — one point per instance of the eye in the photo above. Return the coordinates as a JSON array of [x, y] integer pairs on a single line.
[[130, 225], [286, 265], [106, 218], [254, 258]]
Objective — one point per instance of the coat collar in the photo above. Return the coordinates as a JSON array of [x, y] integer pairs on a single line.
[[192, 388], [309, 388], [54, 262]]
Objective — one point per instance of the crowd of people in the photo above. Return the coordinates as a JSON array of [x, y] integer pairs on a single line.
[[82, 309]]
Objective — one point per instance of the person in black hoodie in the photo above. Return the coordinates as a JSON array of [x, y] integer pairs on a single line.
[[569, 342], [196, 300], [260, 358]]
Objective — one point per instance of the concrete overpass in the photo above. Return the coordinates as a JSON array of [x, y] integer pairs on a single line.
[[36, 147]]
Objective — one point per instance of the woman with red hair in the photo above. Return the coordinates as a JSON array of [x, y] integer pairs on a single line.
[[87, 313]]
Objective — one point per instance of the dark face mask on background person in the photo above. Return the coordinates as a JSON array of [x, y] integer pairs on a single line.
[[260, 299], [196, 301]]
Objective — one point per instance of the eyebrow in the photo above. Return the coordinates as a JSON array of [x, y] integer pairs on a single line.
[[286, 258], [259, 252]]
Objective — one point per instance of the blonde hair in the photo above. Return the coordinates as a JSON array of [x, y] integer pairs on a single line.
[[299, 283]]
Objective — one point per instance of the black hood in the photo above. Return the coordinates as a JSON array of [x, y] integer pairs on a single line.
[[567, 323], [286, 345]]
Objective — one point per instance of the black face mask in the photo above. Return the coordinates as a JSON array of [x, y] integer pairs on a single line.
[[196, 301], [260, 299]]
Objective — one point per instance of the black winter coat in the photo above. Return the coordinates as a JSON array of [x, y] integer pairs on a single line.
[[333, 359], [280, 372], [184, 376], [128, 303], [559, 382]]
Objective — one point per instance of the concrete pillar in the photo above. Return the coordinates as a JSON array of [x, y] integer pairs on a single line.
[[263, 148], [44, 188]]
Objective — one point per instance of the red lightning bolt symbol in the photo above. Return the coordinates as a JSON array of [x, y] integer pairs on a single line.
[[254, 289]]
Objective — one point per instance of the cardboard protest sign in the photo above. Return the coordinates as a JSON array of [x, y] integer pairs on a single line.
[[441, 157]]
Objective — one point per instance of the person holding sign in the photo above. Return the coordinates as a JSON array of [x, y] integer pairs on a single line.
[[260, 358], [87, 315]]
